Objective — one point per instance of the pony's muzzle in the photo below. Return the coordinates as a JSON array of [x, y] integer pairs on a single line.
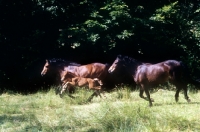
[[110, 70], [62, 79]]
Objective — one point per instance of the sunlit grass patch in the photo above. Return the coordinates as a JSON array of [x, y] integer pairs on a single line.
[[120, 110]]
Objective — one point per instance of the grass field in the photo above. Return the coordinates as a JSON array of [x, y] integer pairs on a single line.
[[120, 111]]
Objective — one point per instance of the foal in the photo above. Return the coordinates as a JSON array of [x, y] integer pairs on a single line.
[[70, 81]]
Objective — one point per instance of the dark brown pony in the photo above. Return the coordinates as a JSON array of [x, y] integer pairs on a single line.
[[147, 75], [70, 80]]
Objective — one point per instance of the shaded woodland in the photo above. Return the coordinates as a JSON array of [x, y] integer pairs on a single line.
[[88, 31]]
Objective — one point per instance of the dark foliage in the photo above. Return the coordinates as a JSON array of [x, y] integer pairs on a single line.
[[92, 31]]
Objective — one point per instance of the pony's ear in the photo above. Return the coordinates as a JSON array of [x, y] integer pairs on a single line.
[[47, 60], [126, 57], [119, 56]]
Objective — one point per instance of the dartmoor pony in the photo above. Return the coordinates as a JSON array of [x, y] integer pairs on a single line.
[[147, 75], [54, 68], [92, 70], [70, 80]]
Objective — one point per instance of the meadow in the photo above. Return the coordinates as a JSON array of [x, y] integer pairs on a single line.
[[121, 110]]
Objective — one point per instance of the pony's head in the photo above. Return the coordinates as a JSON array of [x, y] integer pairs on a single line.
[[123, 61], [117, 63], [53, 65], [45, 68]]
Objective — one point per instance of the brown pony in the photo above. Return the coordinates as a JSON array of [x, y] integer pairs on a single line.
[[70, 80], [54, 68], [147, 75], [92, 70]]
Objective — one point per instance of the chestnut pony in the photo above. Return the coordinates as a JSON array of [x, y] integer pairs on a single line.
[[147, 75], [54, 68], [70, 80], [92, 70]]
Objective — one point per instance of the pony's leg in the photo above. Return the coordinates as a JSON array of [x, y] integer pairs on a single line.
[[141, 96], [91, 97], [177, 93], [97, 90], [64, 88], [148, 96], [141, 93], [103, 92], [185, 93], [58, 89], [179, 86], [146, 90]]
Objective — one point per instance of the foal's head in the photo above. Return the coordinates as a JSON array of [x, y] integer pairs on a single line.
[[67, 76]]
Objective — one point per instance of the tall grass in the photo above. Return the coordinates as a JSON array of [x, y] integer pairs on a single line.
[[120, 111]]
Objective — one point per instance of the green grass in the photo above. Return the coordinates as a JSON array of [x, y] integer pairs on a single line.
[[121, 111]]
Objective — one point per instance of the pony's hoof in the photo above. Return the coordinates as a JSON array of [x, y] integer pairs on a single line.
[[150, 105], [188, 100], [61, 95], [57, 90], [152, 100]]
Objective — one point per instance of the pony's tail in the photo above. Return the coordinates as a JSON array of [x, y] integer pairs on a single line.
[[188, 76]]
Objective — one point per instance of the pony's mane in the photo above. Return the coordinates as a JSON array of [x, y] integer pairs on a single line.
[[62, 62], [129, 60]]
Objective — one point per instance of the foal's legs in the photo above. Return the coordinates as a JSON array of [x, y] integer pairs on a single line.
[[64, 88], [67, 86], [91, 97], [93, 86], [97, 89]]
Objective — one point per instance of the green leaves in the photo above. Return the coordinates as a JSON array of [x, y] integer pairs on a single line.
[[106, 24], [125, 34], [165, 13]]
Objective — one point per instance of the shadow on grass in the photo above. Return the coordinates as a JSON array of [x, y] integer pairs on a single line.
[[174, 103], [32, 123], [181, 124], [63, 128]]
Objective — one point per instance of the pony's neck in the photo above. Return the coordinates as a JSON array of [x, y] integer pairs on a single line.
[[60, 71], [71, 74], [132, 66], [73, 69]]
